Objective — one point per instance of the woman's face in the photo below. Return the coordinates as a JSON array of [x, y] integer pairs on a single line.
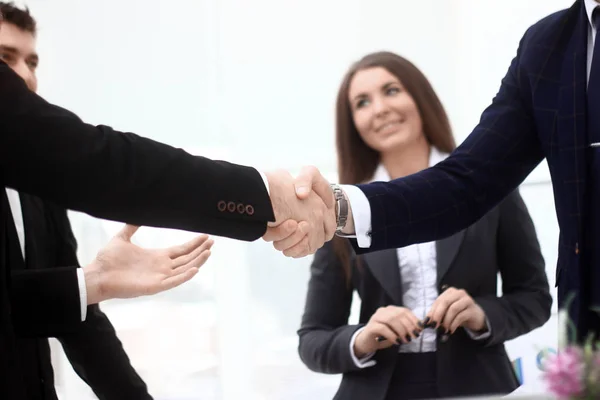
[[384, 113]]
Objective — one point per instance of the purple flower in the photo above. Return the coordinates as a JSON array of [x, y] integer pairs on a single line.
[[564, 373]]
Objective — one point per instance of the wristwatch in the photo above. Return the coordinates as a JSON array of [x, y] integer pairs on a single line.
[[341, 207]]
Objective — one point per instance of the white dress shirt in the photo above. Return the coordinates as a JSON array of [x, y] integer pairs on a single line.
[[14, 201], [361, 209], [418, 271]]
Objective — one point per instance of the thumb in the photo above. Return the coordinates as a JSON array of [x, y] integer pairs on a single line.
[[310, 179], [304, 182], [128, 231]]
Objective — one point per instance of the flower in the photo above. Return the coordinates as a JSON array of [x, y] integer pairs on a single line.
[[564, 372]]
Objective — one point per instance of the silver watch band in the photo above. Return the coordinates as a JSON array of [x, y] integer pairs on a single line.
[[341, 206]]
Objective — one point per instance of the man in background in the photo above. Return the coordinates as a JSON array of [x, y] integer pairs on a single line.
[[47, 241]]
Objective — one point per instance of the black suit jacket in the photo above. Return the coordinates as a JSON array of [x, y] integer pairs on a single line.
[[93, 348], [48, 152], [503, 241]]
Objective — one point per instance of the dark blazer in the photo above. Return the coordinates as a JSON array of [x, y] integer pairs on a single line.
[[539, 112], [48, 152], [503, 241], [93, 348]]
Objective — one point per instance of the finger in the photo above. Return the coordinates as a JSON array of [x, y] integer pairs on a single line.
[[316, 239], [176, 280], [383, 330], [411, 326], [310, 179], [437, 312], [440, 306], [281, 231], [188, 258], [294, 238], [187, 247], [304, 181], [299, 250], [197, 262], [459, 320], [405, 328], [454, 309], [391, 321], [413, 323], [127, 232], [401, 330]]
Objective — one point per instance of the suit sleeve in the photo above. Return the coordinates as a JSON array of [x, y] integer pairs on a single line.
[[324, 333], [49, 152], [45, 303], [491, 162], [93, 348], [526, 301]]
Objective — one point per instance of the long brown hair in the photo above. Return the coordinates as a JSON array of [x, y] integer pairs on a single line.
[[357, 161]]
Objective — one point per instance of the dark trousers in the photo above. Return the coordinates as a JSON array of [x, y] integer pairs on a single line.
[[415, 377]]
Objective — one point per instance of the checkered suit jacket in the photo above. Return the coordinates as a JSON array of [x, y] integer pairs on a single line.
[[539, 111]]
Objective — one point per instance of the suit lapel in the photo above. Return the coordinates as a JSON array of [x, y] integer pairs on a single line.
[[384, 267], [446, 251]]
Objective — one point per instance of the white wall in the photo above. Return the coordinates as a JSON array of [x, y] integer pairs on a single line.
[[254, 82]]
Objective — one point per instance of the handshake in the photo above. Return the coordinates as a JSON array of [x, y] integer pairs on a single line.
[[306, 212]]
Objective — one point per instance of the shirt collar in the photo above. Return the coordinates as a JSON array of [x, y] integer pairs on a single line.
[[381, 174], [590, 6]]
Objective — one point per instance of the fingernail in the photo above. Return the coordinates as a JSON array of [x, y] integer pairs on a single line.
[[416, 333], [408, 338], [421, 325], [431, 324], [398, 341], [426, 320], [380, 338]]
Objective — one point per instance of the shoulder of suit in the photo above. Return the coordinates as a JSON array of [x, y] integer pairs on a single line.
[[547, 26]]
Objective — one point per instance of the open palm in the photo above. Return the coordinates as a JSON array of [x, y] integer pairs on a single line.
[[127, 270]]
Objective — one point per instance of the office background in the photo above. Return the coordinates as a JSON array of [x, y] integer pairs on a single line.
[[254, 82]]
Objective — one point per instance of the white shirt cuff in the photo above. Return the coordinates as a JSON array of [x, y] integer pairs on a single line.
[[481, 336], [361, 214], [82, 293], [266, 181], [365, 361]]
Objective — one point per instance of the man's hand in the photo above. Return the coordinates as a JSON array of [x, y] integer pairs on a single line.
[[124, 270], [454, 308], [304, 212]]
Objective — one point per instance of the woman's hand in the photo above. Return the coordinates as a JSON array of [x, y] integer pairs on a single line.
[[454, 308], [396, 324]]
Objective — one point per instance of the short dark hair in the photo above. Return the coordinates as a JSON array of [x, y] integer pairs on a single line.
[[22, 19]]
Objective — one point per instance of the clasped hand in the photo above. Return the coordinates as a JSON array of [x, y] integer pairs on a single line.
[[304, 210], [391, 325]]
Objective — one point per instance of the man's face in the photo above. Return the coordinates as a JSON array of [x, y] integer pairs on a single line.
[[17, 49]]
